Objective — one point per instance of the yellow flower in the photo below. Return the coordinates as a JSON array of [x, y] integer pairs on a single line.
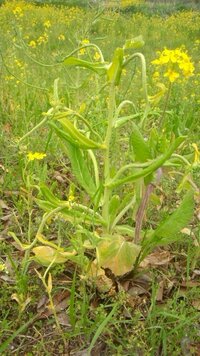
[[175, 62], [3, 267], [47, 24], [32, 44], [187, 68], [83, 42], [71, 198], [19, 63], [42, 39], [172, 75], [96, 56], [18, 12], [37, 155], [156, 75], [61, 37]]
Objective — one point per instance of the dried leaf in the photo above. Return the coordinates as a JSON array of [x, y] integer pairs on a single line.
[[60, 301], [196, 304], [196, 272], [97, 274], [158, 258], [6, 217], [187, 231], [3, 205], [160, 290], [137, 290], [41, 303], [190, 284], [63, 319]]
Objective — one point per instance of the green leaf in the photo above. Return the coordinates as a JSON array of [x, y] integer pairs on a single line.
[[73, 214], [115, 69], [99, 68], [117, 254], [71, 134], [49, 196], [125, 230], [150, 169], [113, 207], [178, 220], [45, 205], [63, 135], [168, 231], [135, 42], [139, 146], [80, 168], [122, 120]]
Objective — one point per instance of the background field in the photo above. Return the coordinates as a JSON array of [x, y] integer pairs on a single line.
[[34, 39]]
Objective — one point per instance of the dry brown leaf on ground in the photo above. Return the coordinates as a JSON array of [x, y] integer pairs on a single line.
[[157, 258], [196, 273], [3, 205], [60, 301], [190, 284], [63, 319], [196, 304], [137, 290], [160, 291], [97, 276]]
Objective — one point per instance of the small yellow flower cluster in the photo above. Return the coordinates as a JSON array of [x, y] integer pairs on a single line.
[[19, 63], [42, 39], [96, 56], [61, 37], [175, 62], [17, 11], [8, 77], [35, 156], [3, 267], [47, 24], [83, 42], [32, 44]]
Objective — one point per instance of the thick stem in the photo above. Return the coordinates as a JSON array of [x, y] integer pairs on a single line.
[[107, 190], [141, 211], [165, 107], [143, 205]]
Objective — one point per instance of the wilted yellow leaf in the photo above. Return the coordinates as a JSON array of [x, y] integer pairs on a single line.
[[46, 255], [117, 254]]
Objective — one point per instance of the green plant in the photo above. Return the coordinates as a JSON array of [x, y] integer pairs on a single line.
[[98, 225]]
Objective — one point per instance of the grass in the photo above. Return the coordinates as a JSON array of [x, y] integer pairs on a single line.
[[134, 316]]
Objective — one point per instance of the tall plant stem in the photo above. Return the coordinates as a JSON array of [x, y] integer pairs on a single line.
[[165, 107], [107, 190], [141, 212], [144, 83], [33, 129]]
